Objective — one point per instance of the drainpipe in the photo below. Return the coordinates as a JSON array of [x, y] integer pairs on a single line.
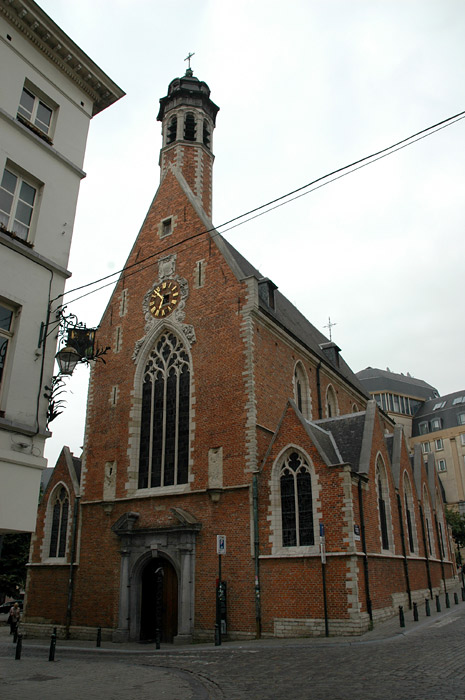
[[318, 391], [404, 551], [71, 566], [365, 555], [258, 612]]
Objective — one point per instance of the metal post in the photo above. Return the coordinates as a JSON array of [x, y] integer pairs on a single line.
[[438, 604], [447, 600], [99, 636], [463, 594], [427, 608], [401, 616], [15, 634], [19, 645], [415, 612], [325, 601], [456, 598], [53, 643], [157, 638], [218, 607]]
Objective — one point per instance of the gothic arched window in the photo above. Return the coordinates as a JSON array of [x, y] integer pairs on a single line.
[[296, 502], [384, 509], [302, 391], [331, 402], [206, 134], [164, 435], [189, 127], [59, 530], [428, 522], [409, 513]]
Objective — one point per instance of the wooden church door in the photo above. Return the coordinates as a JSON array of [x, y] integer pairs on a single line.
[[159, 601]]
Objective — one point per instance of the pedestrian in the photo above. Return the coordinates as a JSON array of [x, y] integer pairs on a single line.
[[14, 617]]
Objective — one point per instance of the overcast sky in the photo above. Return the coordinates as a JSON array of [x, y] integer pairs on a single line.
[[304, 87]]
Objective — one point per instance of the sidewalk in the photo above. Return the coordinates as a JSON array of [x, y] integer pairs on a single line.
[[385, 630]]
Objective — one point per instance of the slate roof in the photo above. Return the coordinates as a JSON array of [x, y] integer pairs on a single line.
[[286, 315], [347, 432], [448, 413], [380, 380]]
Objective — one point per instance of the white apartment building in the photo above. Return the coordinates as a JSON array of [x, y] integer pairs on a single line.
[[49, 91]]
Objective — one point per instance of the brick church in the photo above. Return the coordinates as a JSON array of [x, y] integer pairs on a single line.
[[221, 410]]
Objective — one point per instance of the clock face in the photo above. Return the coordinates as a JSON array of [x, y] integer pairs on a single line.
[[164, 298]]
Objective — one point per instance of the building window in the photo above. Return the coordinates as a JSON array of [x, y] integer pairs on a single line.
[[436, 424], [17, 199], [166, 227], [189, 127], [428, 522], [35, 111], [6, 334], [458, 399], [461, 419], [383, 503], [302, 391], [172, 129], [438, 405], [462, 438], [164, 437], [296, 502], [442, 466], [409, 513], [331, 403], [439, 444], [199, 274], [425, 447], [423, 428], [206, 134], [59, 524]]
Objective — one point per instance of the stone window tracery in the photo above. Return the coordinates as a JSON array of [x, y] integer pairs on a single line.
[[331, 403], [164, 436], [409, 514], [296, 502], [59, 529], [302, 391], [384, 507]]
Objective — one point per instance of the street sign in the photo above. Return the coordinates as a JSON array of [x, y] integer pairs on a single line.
[[221, 544]]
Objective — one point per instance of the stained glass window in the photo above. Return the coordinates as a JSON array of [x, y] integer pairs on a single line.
[[164, 437], [59, 524], [296, 502]]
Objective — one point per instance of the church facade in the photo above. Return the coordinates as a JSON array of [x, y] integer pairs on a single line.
[[222, 411]]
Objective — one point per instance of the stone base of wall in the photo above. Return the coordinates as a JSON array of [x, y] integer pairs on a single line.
[[42, 631], [290, 627]]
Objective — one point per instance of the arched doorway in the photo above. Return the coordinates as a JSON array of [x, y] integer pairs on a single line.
[[159, 600]]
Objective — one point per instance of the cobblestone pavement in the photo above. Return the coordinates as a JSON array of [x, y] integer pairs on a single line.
[[424, 661]]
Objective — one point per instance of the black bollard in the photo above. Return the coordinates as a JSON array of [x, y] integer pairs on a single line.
[[463, 594], [401, 616], [15, 635], [19, 646], [427, 609], [456, 598], [415, 612], [438, 604], [53, 643], [447, 600], [157, 638], [217, 635], [99, 636]]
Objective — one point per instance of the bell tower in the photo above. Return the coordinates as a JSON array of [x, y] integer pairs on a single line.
[[188, 119]]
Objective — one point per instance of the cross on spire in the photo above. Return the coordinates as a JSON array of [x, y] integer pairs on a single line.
[[329, 326], [188, 58]]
